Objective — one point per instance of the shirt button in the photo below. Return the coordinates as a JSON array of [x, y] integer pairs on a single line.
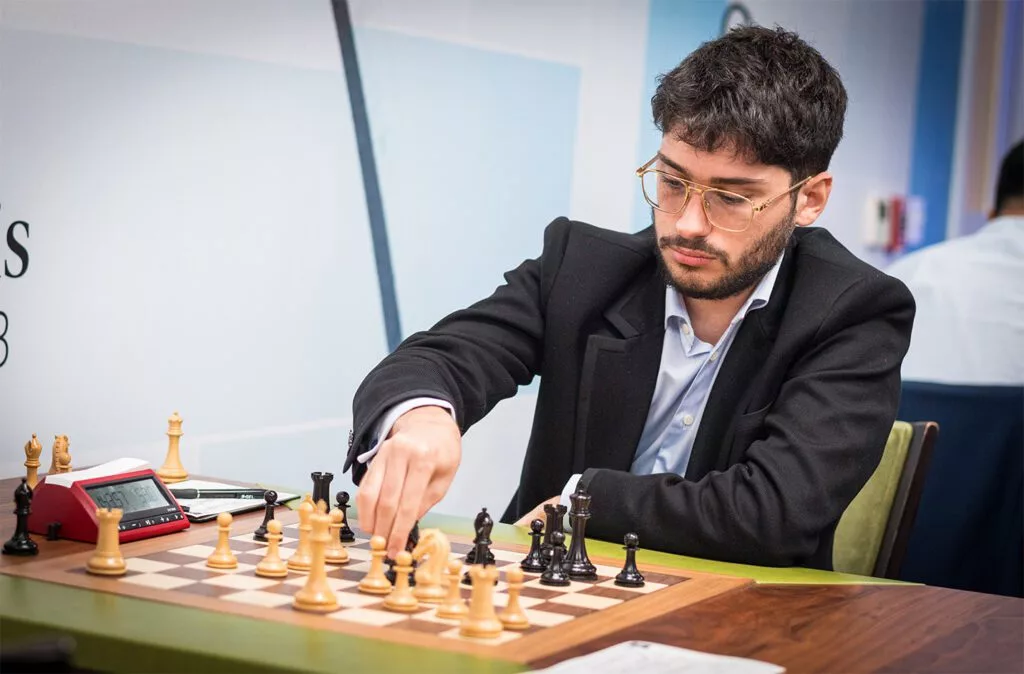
[[688, 419], [686, 329], [714, 356]]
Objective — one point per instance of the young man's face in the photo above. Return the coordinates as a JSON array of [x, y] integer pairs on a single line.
[[703, 261]]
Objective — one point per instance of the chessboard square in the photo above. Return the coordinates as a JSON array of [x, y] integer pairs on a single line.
[[195, 550], [158, 581], [573, 586], [646, 588], [425, 626], [546, 618], [606, 571], [368, 616], [147, 565], [283, 553], [247, 546], [613, 592], [590, 601], [248, 538], [259, 598], [501, 600], [241, 582], [504, 637], [358, 554], [507, 555], [242, 566], [352, 598], [358, 567], [431, 616], [169, 558], [335, 584]]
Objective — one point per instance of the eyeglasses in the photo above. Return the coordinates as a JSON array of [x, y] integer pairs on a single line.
[[725, 210]]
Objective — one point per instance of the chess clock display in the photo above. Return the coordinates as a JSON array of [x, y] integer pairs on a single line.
[[148, 507]]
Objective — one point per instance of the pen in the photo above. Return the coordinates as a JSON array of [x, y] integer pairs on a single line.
[[218, 493]]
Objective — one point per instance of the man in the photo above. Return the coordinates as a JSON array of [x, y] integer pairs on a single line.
[[970, 315], [722, 383]]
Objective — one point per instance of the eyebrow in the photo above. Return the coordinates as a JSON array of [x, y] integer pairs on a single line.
[[724, 180]]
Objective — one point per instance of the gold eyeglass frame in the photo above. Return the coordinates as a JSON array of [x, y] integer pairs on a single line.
[[701, 189]]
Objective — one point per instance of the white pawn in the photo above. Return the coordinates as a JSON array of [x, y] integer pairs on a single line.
[[272, 566], [222, 557]]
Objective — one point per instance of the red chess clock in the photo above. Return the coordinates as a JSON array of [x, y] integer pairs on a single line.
[[148, 507]]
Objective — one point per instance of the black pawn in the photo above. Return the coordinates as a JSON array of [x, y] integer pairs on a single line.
[[261, 532], [554, 574], [534, 560], [20, 544], [347, 535], [630, 576]]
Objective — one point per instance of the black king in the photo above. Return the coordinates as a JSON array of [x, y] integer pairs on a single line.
[[577, 565]]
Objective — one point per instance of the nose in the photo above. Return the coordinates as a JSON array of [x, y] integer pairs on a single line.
[[692, 222]]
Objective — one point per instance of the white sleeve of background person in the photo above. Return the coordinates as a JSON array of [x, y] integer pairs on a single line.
[[389, 419]]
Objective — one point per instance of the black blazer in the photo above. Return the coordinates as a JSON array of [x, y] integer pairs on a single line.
[[795, 423]]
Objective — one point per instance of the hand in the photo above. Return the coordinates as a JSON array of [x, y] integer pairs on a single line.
[[538, 512], [410, 473]]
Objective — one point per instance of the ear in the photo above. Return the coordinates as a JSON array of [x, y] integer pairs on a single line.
[[812, 198]]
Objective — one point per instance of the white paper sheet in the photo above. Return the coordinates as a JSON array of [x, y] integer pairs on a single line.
[[631, 657], [200, 509]]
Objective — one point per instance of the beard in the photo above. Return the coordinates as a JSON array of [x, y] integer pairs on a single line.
[[738, 276]]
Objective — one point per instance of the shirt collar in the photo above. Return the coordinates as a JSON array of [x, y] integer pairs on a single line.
[[675, 306]]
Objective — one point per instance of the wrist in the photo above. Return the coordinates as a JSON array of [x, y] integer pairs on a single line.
[[427, 414]]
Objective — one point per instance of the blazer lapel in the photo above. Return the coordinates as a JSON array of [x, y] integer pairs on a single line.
[[620, 369]]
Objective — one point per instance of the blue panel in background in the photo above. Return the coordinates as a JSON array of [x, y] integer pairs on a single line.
[[935, 120], [674, 30], [475, 156]]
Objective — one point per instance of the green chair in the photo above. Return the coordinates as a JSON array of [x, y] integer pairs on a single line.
[[872, 535]]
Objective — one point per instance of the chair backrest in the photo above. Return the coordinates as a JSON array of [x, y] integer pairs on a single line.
[[872, 534], [969, 532]]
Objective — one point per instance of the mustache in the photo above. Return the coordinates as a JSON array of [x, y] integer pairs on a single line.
[[700, 245]]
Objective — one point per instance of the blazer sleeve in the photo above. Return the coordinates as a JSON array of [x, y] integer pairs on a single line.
[[473, 358], [823, 438]]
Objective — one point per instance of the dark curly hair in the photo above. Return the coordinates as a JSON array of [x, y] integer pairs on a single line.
[[763, 93]]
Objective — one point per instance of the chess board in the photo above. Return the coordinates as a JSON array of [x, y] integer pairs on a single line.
[[173, 569]]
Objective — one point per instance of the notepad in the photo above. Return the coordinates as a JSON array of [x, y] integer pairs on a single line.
[[205, 509]]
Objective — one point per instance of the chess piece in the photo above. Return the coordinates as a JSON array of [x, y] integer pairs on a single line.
[[534, 560], [410, 545], [481, 552], [577, 564], [33, 449], [453, 607], [347, 535], [272, 566], [307, 498], [433, 545], [302, 558], [401, 597], [374, 582], [514, 617], [268, 514], [20, 544], [107, 559], [322, 487], [60, 462], [222, 557], [172, 471], [335, 553], [481, 621], [316, 595], [554, 515], [630, 576], [555, 575]]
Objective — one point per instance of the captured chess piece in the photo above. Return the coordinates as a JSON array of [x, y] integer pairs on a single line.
[[401, 597], [453, 607], [347, 535], [222, 557], [33, 449], [316, 595], [268, 514], [107, 560], [514, 617], [60, 462], [20, 544], [335, 552], [555, 575], [322, 487], [302, 558], [172, 471], [375, 582], [534, 560], [482, 621], [272, 566], [630, 576], [577, 564]]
